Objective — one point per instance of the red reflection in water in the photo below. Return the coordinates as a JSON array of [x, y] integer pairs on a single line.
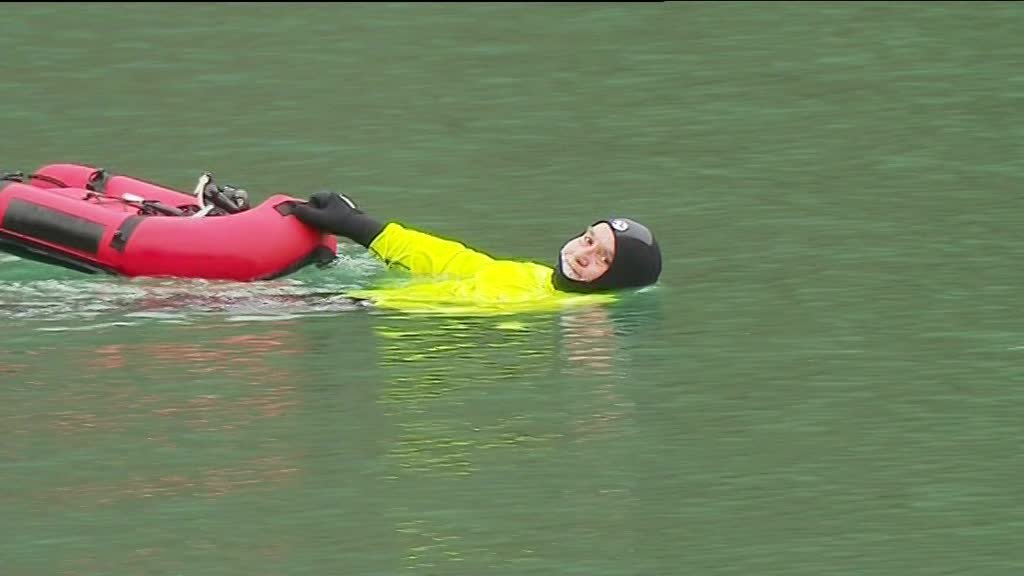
[[6, 369], [589, 346], [269, 472], [9, 369], [588, 341], [122, 377], [107, 358], [157, 394]]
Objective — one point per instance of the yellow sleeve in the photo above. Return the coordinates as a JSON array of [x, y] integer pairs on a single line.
[[421, 253]]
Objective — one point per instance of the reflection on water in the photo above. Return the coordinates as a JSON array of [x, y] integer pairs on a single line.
[[588, 341], [201, 414], [833, 388], [262, 474], [459, 387], [159, 397], [497, 405], [434, 368], [191, 417]]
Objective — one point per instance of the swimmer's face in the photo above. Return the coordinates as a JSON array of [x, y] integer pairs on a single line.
[[588, 256]]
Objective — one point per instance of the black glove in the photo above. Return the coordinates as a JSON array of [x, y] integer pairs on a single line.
[[334, 213]]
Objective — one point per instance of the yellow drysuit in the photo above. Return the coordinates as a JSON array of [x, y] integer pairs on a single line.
[[453, 279]]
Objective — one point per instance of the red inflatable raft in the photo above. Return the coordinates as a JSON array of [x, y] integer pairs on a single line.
[[87, 219]]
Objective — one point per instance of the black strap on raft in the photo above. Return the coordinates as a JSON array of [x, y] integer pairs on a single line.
[[285, 208], [146, 207], [158, 207], [21, 177]]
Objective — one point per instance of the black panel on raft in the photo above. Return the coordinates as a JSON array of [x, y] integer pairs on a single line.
[[55, 227], [124, 232], [47, 255], [321, 256]]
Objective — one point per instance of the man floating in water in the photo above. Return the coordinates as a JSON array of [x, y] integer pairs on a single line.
[[610, 255]]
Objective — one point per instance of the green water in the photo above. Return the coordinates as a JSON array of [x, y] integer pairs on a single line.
[[828, 379]]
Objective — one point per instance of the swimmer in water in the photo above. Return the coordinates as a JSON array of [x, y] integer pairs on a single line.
[[610, 255]]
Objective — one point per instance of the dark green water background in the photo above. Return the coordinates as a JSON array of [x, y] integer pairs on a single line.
[[826, 381]]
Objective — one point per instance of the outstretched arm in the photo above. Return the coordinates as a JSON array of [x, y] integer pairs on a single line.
[[421, 253], [394, 244]]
